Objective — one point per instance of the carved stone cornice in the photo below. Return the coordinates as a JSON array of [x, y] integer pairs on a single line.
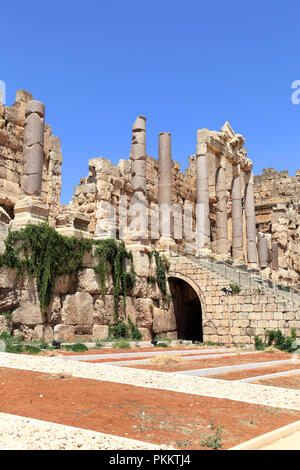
[[229, 144]]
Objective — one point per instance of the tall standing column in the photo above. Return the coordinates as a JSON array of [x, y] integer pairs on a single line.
[[202, 210], [33, 148], [32, 209], [237, 213], [221, 207], [262, 250], [250, 218], [165, 183], [138, 209]]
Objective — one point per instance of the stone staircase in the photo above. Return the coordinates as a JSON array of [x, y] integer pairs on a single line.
[[240, 274]]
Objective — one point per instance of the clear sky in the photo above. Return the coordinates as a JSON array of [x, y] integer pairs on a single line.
[[184, 65]]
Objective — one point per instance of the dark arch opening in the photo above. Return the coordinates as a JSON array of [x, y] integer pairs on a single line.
[[188, 311]]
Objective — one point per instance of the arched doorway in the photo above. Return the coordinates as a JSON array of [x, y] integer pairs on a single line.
[[188, 311]]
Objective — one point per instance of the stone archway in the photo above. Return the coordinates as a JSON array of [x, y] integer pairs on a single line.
[[187, 306]]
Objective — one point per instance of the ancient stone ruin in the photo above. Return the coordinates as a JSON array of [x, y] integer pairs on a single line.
[[214, 228]]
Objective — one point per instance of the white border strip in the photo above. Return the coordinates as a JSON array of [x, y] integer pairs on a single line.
[[269, 438]]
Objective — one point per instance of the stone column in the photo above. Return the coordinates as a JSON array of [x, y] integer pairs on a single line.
[[31, 209], [221, 206], [33, 155], [202, 210], [165, 188], [262, 250], [275, 263], [250, 218], [138, 207], [237, 213]]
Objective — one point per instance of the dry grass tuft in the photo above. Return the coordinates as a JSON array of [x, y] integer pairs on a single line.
[[166, 359]]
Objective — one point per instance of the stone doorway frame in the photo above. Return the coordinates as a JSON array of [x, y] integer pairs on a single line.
[[196, 288]]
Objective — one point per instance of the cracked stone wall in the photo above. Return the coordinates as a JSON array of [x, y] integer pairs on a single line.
[[277, 203]]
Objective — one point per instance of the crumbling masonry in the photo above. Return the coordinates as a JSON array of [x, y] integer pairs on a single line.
[[249, 235]]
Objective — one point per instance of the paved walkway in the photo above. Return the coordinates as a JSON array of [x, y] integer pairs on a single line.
[[291, 442], [245, 392]]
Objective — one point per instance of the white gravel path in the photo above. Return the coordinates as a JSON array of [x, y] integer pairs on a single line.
[[18, 433], [245, 392]]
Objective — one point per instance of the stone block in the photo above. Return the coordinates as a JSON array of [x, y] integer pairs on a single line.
[[78, 309], [146, 334], [100, 332], [88, 281], [28, 313], [144, 313], [141, 263], [104, 310], [163, 320], [64, 333], [7, 278]]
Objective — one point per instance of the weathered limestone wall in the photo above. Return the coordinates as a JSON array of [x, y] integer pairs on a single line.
[[277, 205], [237, 318], [12, 123], [78, 311]]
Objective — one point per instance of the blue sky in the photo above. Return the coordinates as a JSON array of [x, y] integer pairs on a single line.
[[183, 64]]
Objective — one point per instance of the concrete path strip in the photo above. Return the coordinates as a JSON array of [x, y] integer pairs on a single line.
[[94, 357], [147, 361], [285, 438], [269, 376], [224, 369]]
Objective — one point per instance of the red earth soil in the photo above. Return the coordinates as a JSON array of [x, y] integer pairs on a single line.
[[244, 374], [176, 419], [288, 381]]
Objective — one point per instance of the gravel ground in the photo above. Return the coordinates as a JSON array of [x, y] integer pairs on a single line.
[[18, 433], [245, 392]]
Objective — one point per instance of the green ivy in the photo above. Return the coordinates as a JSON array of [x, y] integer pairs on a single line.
[[112, 253], [161, 269], [45, 254]]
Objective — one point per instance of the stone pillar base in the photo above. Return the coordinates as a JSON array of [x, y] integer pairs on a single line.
[[203, 252], [29, 210], [164, 245]]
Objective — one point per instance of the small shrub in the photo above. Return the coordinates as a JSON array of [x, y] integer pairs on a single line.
[[235, 288], [213, 441], [6, 314], [134, 331], [281, 342], [259, 343], [151, 280], [78, 347], [98, 344], [121, 344], [14, 348], [30, 348], [162, 345], [5, 335], [120, 330]]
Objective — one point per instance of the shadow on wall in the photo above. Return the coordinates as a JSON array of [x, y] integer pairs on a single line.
[[188, 311]]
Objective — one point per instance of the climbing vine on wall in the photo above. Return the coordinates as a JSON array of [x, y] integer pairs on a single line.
[[43, 253], [114, 253], [162, 265]]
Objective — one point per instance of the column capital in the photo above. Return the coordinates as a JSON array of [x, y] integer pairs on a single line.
[[202, 140], [220, 161]]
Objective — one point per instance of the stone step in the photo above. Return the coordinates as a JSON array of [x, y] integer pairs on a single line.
[[241, 274]]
